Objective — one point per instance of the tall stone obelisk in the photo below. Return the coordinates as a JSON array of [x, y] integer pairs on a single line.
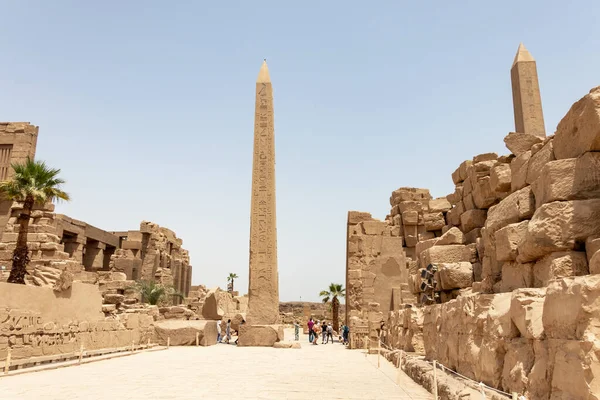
[[261, 327], [527, 101]]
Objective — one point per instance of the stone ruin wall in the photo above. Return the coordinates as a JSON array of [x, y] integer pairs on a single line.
[[510, 297]]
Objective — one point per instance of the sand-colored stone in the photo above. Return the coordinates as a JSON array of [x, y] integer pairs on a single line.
[[527, 100], [183, 333]]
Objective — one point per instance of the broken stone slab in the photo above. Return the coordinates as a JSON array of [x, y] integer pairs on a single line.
[[515, 276], [212, 308], [463, 169], [183, 332], [507, 240], [485, 157], [579, 130], [483, 195], [568, 179], [519, 143], [434, 221], [439, 205], [500, 178], [445, 254], [287, 345], [260, 335], [558, 226], [557, 265]]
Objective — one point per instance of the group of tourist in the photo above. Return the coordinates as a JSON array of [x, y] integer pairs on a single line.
[[324, 329], [227, 332]]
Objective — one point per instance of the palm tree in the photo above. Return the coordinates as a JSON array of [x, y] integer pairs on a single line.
[[335, 291], [33, 183], [153, 292], [230, 278]]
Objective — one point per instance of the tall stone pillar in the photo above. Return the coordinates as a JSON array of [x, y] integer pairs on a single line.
[[261, 327], [527, 101]]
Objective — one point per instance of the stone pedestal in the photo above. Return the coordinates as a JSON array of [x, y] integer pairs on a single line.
[[260, 335]]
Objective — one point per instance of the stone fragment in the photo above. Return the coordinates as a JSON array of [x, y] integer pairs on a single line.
[[287, 345], [483, 195], [519, 143], [507, 240], [558, 226], [518, 171], [455, 275], [113, 298], [469, 202], [183, 332], [516, 276], [356, 217], [472, 219], [538, 160], [434, 221], [518, 362], [477, 270], [374, 227], [500, 178], [560, 264], [472, 235], [569, 179], [212, 308], [579, 130], [452, 236], [456, 176], [526, 309], [410, 218], [445, 254], [463, 169], [260, 335]]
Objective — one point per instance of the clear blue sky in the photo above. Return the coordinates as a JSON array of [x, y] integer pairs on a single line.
[[148, 107]]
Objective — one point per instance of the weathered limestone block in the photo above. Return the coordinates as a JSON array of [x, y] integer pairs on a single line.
[[453, 216], [374, 227], [410, 218], [518, 171], [456, 176], [452, 236], [498, 322], [569, 179], [500, 178], [516, 276], [472, 219], [183, 332], [518, 362], [575, 372], [468, 201], [571, 308], [485, 157], [516, 207], [455, 275], [579, 130], [463, 169], [439, 205], [434, 221], [526, 309], [212, 308], [356, 217], [557, 226], [409, 194], [592, 245], [507, 240], [425, 244], [538, 160], [483, 194], [519, 143], [560, 264], [445, 254]]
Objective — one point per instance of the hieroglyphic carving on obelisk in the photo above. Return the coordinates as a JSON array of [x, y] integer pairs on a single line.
[[263, 287], [527, 101]]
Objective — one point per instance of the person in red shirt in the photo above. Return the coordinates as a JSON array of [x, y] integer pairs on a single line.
[[311, 333]]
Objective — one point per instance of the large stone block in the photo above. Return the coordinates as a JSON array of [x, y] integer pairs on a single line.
[[445, 254], [439, 205], [356, 217], [516, 207], [213, 307], [183, 332], [579, 130], [560, 264], [500, 178], [472, 219], [538, 160], [455, 275], [516, 276], [569, 179], [558, 226], [374, 227], [519, 143], [518, 171], [483, 194], [507, 240], [410, 218], [434, 221], [451, 236], [260, 335], [518, 362]]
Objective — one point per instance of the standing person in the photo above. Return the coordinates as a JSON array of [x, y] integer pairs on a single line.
[[228, 331], [324, 332], [218, 331], [329, 333], [311, 325], [346, 331], [296, 331], [317, 329], [238, 333]]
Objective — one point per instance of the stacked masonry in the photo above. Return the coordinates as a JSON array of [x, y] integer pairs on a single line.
[[517, 269]]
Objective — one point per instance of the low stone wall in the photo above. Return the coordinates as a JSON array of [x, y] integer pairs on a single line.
[[38, 321]]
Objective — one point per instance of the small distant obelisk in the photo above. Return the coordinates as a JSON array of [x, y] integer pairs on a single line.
[[527, 101], [261, 327]]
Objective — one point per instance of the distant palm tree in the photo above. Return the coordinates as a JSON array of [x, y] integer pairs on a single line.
[[335, 291], [33, 183], [230, 278]]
